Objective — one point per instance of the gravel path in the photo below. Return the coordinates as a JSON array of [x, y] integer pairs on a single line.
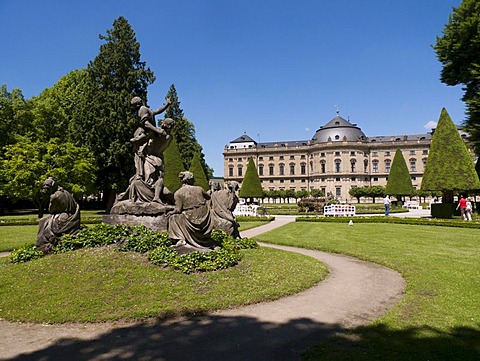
[[354, 294]]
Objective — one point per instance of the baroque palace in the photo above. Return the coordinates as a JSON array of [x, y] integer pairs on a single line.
[[337, 158]]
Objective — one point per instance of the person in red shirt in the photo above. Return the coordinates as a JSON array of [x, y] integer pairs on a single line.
[[462, 204]]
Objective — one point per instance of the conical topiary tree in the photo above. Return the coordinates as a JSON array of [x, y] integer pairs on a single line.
[[173, 167], [251, 185], [450, 167], [399, 182], [198, 173]]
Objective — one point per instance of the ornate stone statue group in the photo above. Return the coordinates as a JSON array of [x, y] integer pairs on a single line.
[[190, 215], [146, 187]]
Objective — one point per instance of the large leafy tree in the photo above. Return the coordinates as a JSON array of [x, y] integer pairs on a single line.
[[199, 175], [107, 120], [399, 181], [450, 167], [15, 116], [27, 164], [56, 109], [251, 185], [459, 52], [184, 133]]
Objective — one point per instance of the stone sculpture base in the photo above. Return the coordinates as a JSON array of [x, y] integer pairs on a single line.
[[140, 208], [157, 223]]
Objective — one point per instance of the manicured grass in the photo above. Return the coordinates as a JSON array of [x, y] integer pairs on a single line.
[[13, 237], [439, 317], [99, 284], [87, 217]]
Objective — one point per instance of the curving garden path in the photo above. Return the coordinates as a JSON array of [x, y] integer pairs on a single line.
[[354, 293]]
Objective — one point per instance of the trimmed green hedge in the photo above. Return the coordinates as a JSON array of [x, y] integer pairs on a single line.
[[397, 220]]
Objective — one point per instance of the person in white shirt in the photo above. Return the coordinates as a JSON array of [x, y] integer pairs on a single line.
[[386, 203]]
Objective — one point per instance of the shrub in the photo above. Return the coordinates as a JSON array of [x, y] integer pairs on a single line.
[[142, 239], [226, 255], [25, 254], [98, 235], [311, 204]]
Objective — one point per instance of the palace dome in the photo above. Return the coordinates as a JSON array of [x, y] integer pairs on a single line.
[[339, 130]]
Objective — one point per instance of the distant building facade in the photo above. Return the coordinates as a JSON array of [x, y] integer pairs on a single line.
[[337, 158]]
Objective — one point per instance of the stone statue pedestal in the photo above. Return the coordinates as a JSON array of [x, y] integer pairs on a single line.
[[157, 223]]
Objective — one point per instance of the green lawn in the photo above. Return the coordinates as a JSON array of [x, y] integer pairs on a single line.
[[439, 317], [99, 284], [13, 237]]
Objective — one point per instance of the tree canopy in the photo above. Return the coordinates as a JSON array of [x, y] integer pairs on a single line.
[[399, 181], [251, 185], [450, 167], [27, 164], [458, 49], [184, 133]]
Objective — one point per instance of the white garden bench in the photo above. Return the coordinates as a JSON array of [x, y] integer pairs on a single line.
[[339, 210], [412, 205], [245, 210]]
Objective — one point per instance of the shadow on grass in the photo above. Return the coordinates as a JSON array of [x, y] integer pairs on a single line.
[[216, 337], [379, 342]]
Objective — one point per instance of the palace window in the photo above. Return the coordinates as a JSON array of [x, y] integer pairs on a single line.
[[353, 163], [303, 170], [292, 168], [413, 165], [282, 169], [270, 169], [387, 154], [240, 171], [260, 170], [323, 167], [337, 154], [388, 164], [230, 172], [365, 166], [338, 165], [375, 166]]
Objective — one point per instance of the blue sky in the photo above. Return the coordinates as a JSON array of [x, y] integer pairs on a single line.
[[276, 70]]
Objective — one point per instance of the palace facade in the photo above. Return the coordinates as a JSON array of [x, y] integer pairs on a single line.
[[337, 158]]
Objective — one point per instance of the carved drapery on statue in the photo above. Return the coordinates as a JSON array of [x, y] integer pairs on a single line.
[[190, 223], [223, 204], [64, 217]]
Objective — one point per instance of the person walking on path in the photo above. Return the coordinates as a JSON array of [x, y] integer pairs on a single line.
[[468, 210], [462, 205], [386, 203]]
